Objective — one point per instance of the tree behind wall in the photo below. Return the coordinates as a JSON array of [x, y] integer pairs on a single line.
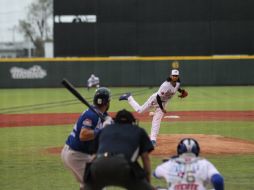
[[36, 27]]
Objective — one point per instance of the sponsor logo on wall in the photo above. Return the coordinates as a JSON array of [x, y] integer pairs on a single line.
[[34, 72]]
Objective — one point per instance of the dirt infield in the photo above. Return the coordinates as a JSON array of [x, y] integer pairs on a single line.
[[216, 145], [210, 144], [26, 120]]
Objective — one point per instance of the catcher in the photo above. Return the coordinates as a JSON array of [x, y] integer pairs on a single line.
[[188, 170], [158, 101]]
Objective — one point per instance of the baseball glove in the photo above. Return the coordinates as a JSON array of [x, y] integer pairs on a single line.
[[183, 94]]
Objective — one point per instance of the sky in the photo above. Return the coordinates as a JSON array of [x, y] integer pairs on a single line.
[[11, 11]]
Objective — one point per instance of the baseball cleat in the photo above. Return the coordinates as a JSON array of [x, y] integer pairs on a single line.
[[125, 96]]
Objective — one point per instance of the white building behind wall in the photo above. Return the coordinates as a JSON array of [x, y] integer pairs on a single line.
[[16, 49]]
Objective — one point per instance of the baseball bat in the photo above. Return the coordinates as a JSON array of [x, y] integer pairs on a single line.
[[71, 88]]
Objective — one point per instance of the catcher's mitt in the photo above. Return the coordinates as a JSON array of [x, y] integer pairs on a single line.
[[183, 94]]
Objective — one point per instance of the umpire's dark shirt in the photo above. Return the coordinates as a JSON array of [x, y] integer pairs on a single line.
[[124, 139]]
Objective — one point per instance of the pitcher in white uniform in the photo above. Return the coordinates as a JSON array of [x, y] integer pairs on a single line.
[[158, 101], [188, 171]]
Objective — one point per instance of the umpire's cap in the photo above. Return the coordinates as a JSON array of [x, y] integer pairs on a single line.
[[124, 117], [188, 145], [102, 96]]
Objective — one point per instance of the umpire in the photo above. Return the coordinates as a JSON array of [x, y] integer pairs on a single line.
[[116, 164]]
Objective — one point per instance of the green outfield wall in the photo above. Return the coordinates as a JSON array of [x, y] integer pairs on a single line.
[[127, 71]]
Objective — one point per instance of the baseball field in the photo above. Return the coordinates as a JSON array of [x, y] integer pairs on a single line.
[[34, 124]]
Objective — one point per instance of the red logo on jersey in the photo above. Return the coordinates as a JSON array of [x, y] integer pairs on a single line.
[[190, 186], [181, 174], [87, 122]]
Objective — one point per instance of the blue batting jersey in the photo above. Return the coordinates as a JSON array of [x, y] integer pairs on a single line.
[[88, 119]]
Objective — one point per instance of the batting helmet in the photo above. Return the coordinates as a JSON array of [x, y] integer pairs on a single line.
[[102, 96], [188, 145]]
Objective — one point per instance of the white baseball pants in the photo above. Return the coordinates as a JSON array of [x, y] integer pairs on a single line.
[[76, 162], [158, 114]]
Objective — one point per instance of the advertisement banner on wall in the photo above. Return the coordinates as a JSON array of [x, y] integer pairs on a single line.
[[34, 72]]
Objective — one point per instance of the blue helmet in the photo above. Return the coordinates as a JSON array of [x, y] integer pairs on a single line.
[[188, 145], [102, 96]]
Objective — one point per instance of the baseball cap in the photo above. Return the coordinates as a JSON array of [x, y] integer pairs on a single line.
[[174, 72]]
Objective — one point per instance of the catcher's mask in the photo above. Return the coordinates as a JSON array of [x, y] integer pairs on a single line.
[[102, 96], [188, 145], [124, 117]]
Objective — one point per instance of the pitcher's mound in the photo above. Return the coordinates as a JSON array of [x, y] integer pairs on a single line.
[[209, 144]]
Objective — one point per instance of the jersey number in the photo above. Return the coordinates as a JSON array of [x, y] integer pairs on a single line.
[[190, 178]]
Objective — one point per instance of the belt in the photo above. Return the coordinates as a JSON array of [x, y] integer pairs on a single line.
[[109, 155]]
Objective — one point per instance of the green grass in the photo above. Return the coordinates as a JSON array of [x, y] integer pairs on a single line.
[[237, 129], [24, 158], [25, 164], [59, 100]]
